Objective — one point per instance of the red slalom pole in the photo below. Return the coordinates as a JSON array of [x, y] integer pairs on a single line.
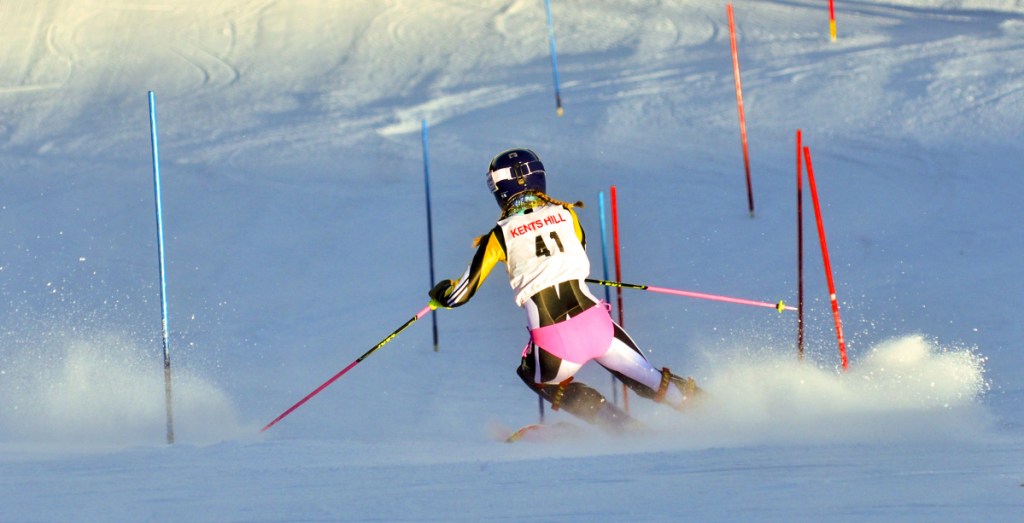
[[824, 255], [739, 107], [799, 250], [832, 20], [365, 355], [615, 242], [618, 276]]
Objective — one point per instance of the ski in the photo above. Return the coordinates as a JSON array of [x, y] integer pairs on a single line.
[[558, 430]]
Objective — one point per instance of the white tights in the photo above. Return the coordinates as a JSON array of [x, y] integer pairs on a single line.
[[623, 357]]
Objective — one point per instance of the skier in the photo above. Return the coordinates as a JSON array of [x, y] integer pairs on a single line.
[[543, 246]]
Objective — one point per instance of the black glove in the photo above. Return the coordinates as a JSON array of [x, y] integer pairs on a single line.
[[441, 291]]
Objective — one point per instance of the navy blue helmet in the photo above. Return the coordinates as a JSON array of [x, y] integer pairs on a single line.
[[514, 171]]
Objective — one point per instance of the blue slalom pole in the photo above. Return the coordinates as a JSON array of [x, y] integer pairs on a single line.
[[607, 290], [430, 225], [554, 59], [163, 277], [604, 246]]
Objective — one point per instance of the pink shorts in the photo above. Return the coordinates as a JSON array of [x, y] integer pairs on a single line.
[[579, 339]]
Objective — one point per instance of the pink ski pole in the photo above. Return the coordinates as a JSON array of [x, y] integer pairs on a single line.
[[367, 354], [780, 306]]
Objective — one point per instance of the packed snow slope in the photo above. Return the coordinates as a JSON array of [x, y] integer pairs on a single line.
[[292, 167]]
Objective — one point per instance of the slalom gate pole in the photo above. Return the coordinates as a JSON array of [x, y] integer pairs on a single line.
[[160, 253], [604, 246], [832, 20], [824, 255], [607, 290], [554, 59], [430, 225], [739, 107], [618, 276], [799, 251], [423, 312], [615, 245], [780, 306]]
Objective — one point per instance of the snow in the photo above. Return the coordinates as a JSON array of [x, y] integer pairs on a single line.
[[293, 199]]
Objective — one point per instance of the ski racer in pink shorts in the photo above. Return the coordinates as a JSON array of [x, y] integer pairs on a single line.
[[543, 246]]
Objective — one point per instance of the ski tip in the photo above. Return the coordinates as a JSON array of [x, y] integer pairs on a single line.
[[560, 430], [523, 431]]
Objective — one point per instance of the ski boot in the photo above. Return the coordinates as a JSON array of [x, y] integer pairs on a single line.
[[692, 394], [589, 405]]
